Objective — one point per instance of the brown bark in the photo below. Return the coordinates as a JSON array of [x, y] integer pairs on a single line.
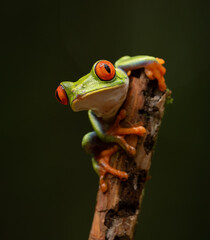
[[117, 210]]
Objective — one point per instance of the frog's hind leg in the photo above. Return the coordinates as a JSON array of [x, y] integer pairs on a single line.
[[95, 165], [92, 145], [104, 167], [102, 152], [88, 141]]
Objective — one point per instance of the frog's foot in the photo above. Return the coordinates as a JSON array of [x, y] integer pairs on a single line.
[[119, 133], [155, 70], [103, 165], [128, 73]]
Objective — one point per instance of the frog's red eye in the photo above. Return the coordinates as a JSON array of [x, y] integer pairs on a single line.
[[61, 96], [105, 70]]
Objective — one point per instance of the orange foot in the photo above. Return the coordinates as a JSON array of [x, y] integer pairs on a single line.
[[155, 70], [103, 160], [119, 133]]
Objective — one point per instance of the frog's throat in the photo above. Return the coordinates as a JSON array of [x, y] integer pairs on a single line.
[[105, 102]]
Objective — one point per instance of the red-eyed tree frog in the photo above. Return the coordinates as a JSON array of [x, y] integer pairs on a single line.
[[102, 92]]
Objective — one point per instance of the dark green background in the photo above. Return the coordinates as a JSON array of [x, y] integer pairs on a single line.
[[49, 187]]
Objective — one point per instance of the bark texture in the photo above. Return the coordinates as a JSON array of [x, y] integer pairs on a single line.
[[117, 210]]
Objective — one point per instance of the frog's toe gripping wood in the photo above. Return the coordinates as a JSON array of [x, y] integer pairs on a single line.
[[103, 167], [131, 151], [119, 133], [155, 70]]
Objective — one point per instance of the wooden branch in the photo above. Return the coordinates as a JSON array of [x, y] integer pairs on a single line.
[[117, 210]]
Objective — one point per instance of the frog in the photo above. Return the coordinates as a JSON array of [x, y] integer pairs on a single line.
[[102, 93]]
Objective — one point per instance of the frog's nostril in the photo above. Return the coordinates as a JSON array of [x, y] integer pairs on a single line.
[[61, 96]]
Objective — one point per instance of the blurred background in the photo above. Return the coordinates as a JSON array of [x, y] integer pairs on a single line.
[[48, 184]]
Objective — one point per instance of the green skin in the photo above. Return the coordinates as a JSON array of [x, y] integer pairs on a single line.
[[102, 99]]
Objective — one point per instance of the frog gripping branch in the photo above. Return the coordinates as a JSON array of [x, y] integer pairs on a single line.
[[103, 92], [117, 99]]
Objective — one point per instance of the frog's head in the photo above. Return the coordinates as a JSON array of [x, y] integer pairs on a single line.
[[103, 90]]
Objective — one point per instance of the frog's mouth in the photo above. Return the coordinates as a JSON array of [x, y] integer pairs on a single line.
[[102, 101]]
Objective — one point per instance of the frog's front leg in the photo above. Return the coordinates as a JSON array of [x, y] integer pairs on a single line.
[[115, 133], [119, 133]]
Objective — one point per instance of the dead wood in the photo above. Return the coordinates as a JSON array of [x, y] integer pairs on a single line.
[[117, 210]]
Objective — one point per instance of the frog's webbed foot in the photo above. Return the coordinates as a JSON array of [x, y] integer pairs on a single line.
[[155, 70], [103, 167], [119, 133]]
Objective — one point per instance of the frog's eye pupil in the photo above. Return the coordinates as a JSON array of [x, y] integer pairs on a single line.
[[105, 70], [57, 96]]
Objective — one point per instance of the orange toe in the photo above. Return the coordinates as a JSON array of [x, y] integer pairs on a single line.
[[155, 70], [104, 167]]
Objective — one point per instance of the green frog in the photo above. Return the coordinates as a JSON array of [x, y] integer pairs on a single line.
[[102, 92]]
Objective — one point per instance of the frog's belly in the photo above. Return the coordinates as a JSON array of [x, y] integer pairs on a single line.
[[104, 103]]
